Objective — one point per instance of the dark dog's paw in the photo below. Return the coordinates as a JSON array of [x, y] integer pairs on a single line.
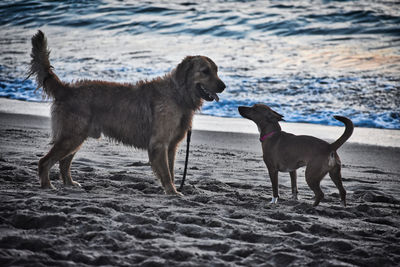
[[274, 200]]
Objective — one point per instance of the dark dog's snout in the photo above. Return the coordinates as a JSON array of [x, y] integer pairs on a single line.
[[242, 110]]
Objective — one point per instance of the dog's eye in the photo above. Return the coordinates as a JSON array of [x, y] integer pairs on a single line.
[[206, 71]]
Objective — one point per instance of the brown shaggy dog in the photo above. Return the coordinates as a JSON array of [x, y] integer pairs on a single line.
[[153, 115]]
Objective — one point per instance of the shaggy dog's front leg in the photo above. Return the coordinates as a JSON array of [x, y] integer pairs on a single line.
[[158, 156], [171, 160]]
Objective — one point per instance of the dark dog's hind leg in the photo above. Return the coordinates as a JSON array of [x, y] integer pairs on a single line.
[[314, 176], [315, 187], [336, 177]]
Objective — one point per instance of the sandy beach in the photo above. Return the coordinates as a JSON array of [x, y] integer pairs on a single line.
[[120, 216], [307, 60]]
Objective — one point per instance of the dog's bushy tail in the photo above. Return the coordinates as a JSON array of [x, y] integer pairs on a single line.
[[346, 135], [41, 68]]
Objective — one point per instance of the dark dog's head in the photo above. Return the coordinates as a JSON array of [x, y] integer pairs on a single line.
[[260, 113], [198, 77]]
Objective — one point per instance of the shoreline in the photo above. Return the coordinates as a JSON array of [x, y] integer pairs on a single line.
[[363, 136]]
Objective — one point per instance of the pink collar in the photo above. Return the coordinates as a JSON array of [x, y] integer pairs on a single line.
[[267, 135]]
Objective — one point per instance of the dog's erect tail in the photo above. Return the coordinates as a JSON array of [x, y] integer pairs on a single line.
[[41, 68], [346, 135]]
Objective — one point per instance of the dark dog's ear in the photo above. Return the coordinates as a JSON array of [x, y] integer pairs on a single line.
[[279, 116], [274, 116], [182, 71]]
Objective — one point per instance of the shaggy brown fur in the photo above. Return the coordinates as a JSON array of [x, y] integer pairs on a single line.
[[287, 152], [153, 115]]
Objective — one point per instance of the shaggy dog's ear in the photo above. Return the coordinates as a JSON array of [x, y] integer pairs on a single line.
[[182, 71]]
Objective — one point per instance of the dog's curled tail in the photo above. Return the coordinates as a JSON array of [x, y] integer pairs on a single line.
[[41, 68], [346, 135]]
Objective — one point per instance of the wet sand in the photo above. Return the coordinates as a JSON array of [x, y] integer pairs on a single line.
[[120, 216]]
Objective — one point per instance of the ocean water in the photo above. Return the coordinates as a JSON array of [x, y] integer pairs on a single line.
[[308, 60]]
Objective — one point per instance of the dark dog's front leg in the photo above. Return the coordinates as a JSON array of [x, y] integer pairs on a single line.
[[293, 180], [273, 175]]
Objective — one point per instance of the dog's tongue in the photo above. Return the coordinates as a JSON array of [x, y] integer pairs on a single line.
[[215, 96]]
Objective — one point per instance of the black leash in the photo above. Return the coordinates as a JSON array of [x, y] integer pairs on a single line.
[[188, 135]]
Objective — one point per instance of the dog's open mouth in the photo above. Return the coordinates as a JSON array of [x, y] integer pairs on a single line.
[[207, 95]]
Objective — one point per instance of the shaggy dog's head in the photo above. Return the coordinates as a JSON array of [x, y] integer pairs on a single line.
[[197, 78]]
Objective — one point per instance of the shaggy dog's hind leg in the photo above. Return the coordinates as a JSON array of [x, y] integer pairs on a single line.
[[65, 170], [61, 149]]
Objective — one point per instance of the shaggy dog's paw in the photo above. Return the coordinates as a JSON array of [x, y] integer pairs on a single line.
[[72, 184], [179, 194], [173, 192], [75, 184]]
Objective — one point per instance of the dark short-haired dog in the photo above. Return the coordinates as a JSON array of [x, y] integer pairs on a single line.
[[286, 152]]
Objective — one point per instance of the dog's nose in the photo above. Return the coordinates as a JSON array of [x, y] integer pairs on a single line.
[[221, 85]]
